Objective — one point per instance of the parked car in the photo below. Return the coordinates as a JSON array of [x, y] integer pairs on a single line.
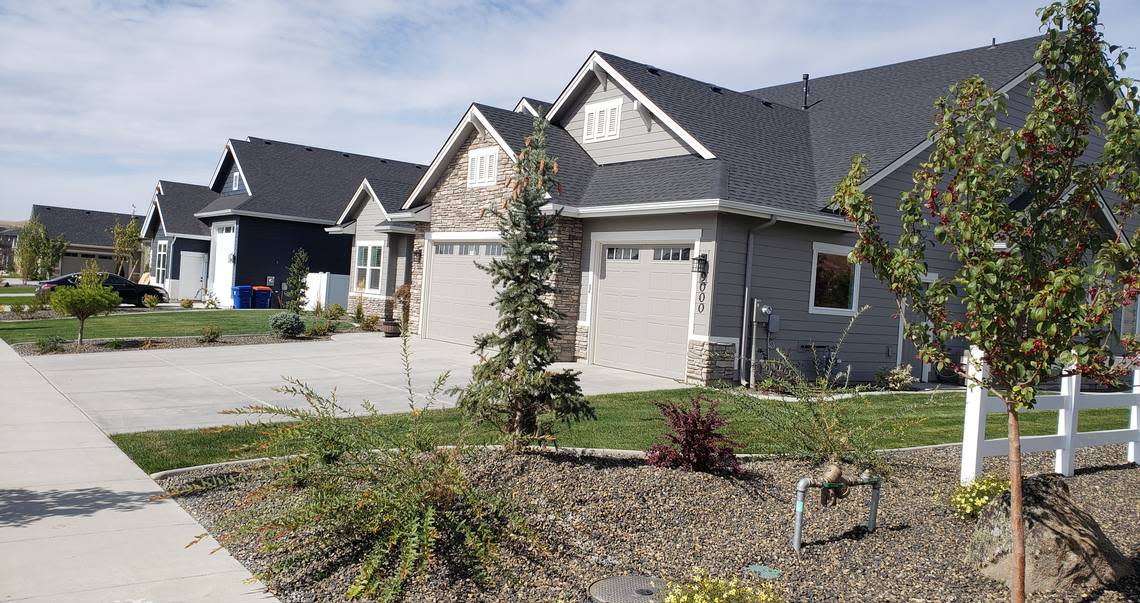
[[130, 291]]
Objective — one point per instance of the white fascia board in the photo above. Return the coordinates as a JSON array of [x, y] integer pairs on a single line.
[[154, 208], [927, 142], [230, 150], [341, 228], [524, 105], [419, 214], [597, 61], [364, 187], [694, 205], [388, 227], [257, 214], [470, 235], [472, 119], [179, 235]]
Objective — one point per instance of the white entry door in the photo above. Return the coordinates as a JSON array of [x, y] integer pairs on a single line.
[[191, 275], [225, 239]]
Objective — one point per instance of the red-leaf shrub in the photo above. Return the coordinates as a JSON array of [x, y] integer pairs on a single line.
[[695, 443]]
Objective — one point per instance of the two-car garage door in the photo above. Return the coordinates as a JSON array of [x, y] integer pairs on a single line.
[[642, 317], [641, 307]]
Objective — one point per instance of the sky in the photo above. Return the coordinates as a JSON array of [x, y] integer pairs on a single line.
[[100, 99]]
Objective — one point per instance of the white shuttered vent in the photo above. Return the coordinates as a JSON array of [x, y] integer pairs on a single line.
[[602, 120], [481, 164]]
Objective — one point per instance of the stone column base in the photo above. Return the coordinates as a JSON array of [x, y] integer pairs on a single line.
[[710, 363]]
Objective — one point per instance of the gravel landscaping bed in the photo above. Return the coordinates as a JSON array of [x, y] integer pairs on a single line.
[[161, 343], [594, 518]]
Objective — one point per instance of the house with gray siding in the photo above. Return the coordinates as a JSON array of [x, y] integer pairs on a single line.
[[176, 244], [694, 220], [268, 198]]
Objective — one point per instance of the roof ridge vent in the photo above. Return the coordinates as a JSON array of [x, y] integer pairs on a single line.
[[653, 70], [381, 161], [268, 141], [308, 148], [717, 89], [346, 154]]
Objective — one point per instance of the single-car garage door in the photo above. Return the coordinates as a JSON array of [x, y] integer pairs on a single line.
[[642, 317], [459, 294]]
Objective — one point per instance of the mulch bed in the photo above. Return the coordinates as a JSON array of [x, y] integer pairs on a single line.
[[161, 343], [595, 518]]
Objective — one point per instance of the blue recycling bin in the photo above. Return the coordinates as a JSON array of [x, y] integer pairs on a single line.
[[262, 296], [243, 297]]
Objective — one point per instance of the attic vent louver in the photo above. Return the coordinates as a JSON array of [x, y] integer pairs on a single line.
[[716, 89], [345, 154], [308, 148], [268, 142]]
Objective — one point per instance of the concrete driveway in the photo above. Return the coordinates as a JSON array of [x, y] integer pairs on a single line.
[[141, 390]]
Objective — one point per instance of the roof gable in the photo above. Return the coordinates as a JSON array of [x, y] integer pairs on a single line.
[[80, 226]]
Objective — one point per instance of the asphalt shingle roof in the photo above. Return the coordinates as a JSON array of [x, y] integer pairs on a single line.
[[885, 111], [307, 182], [179, 202], [80, 226]]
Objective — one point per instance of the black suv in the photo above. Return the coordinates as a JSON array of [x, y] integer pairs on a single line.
[[131, 292]]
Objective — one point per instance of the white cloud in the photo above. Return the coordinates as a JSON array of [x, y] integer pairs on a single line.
[[98, 100]]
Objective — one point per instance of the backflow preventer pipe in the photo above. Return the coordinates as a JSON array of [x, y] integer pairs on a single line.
[[807, 482]]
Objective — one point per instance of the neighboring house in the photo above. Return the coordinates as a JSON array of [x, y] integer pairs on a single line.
[[272, 198], [88, 233], [177, 244], [686, 204], [7, 246]]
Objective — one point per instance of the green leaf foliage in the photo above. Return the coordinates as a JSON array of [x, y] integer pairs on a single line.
[[87, 298], [1041, 226]]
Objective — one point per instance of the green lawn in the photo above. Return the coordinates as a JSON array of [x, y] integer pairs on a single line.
[[14, 289], [627, 421], [142, 324], [14, 299]]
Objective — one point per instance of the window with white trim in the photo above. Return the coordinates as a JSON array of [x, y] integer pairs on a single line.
[[671, 254], [481, 165], [368, 266], [834, 281], [161, 262], [602, 120], [622, 253]]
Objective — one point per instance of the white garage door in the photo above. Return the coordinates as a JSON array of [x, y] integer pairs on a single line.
[[459, 294], [642, 319]]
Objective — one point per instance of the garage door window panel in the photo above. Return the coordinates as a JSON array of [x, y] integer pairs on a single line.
[[631, 254], [834, 281]]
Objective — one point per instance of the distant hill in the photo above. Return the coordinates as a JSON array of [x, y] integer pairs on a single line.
[[11, 223]]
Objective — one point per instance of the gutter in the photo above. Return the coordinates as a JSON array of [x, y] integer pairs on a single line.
[[745, 312], [694, 205]]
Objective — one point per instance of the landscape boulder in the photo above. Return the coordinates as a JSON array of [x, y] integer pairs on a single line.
[[1064, 545]]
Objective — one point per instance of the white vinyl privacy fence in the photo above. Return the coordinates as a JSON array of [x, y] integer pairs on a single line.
[[1068, 404], [326, 288]]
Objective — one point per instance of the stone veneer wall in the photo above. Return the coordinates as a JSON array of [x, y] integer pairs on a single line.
[[568, 282], [582, 342], [374, 305], [418, 254], [709, 363]]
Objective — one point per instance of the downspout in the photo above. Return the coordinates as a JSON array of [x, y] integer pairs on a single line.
[[747, 307]]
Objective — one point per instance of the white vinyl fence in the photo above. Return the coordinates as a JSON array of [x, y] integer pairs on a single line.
[[1068, 403], [326, 289]]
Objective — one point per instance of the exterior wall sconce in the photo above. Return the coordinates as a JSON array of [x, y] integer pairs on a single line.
[[701, 264], [417, 255]]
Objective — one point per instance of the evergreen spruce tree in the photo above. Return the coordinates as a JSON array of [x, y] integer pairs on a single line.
[[296, 283], [511, 387]]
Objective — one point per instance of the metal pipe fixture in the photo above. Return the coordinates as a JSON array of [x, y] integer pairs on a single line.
[[746, 306], [876, 484]]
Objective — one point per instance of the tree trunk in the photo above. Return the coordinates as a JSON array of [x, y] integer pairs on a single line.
[[1017, 528], [81, 321]]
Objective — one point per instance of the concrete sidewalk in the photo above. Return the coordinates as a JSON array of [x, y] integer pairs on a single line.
[[77, 519]]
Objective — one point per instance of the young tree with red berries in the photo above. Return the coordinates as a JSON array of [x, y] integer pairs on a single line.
[[1022, 211]]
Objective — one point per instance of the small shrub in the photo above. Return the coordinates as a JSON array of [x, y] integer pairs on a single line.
[[335, 312], [321, 328], [115, 344], [286, 324], [87, 298], [50, 345], [695, 441], [150, 344], [703, 588], [318, 309], [210, 334], [186, 303], [211, 302], [895, 379], [370, 323], [150, 301], [20, 310], [358, 311], [969, 499]]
